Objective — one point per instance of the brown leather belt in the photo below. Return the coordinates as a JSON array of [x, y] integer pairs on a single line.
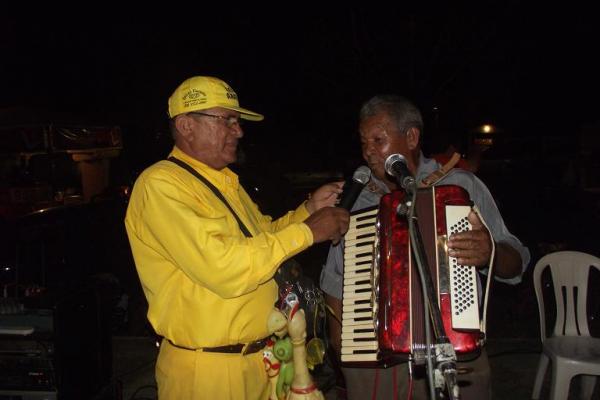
[[249, 348]]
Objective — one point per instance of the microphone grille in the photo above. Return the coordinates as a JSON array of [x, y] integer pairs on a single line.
[[362, 174], [393, 158]]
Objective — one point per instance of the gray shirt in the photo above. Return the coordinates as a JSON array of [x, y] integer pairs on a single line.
[[332, 274]]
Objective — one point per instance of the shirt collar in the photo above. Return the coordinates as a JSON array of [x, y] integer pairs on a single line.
[[224, 177], [426, 167], [377, 186]]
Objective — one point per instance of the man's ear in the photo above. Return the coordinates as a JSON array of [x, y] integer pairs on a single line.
[[184, 126], [413, 136]]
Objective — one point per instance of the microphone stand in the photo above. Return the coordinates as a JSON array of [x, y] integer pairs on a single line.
[[444, 373]]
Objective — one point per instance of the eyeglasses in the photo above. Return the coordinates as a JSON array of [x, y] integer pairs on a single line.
[[230, 121]]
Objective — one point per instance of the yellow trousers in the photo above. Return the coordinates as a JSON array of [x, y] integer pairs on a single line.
[[194, 375]]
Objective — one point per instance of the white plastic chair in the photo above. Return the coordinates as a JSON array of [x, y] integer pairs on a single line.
[[571, 348]]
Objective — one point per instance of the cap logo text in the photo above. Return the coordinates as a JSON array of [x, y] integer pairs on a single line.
[[193, 98], [230, 93]]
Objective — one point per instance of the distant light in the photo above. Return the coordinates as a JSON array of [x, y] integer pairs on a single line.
[[486, 129]]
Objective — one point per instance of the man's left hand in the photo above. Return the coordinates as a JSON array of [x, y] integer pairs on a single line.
[[472, 247], [325, 196]]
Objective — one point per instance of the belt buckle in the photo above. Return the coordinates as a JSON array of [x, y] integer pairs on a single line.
[[246, 348], [253, 347]]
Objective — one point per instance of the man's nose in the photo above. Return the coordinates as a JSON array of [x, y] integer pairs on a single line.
[[237, 130]]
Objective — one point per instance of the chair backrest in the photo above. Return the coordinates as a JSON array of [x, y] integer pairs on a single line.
[[570, 271]]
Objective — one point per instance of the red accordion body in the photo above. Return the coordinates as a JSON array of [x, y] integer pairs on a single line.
[[395, 287]]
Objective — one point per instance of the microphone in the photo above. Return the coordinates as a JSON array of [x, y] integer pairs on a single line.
[[360, 178], [396, 166]]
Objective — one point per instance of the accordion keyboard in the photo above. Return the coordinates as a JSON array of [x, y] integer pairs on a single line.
[[359, 342]]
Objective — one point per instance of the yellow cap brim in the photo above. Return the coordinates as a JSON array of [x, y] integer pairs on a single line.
[[245, 114]]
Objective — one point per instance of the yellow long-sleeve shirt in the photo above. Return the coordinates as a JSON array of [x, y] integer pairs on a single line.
[[206, 283]]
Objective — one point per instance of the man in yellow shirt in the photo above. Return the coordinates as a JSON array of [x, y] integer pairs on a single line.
[[206, 256]]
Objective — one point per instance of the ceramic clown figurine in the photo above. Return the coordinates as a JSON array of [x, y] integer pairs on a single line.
[[272, 366], [291, 351]]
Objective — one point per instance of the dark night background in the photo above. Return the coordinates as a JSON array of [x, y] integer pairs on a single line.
[[532, 72]]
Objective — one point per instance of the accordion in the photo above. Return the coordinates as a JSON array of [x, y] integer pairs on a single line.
[[382, 307]]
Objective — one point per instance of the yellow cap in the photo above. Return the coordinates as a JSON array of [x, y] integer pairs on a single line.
[[203, 92]]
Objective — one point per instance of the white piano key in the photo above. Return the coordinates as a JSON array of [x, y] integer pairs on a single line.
[[357, 347], [358, 315], [358, 335], [367, 237], [354, 289], [359, 357], [352, 276], [356, 297]]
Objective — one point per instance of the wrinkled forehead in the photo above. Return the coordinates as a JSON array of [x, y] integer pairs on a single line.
[[377, 124]]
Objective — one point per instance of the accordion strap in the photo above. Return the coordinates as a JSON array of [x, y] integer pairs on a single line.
[[438, 174], [490, 273]]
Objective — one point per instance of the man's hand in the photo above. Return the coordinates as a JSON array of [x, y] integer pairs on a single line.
[[472, 247], [329, 223], [325, 196]]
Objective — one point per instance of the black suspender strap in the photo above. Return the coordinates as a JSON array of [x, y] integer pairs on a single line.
[[212, 187]]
